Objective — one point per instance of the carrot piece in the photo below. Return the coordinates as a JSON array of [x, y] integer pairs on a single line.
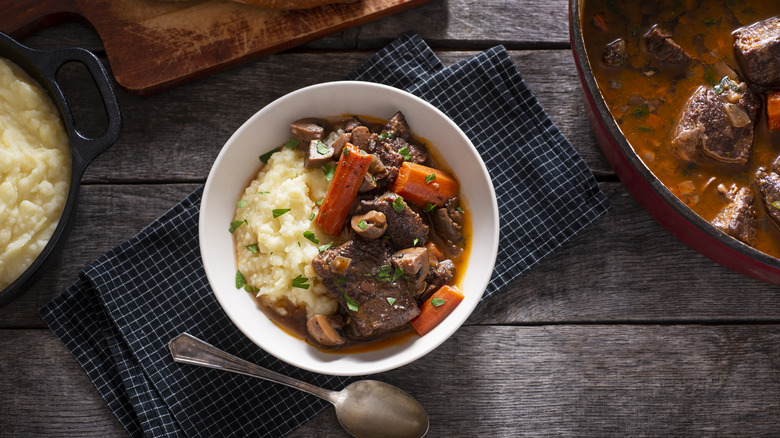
[[434, 310], [349, 174], [773, 110], [434, 251], [412, 184]]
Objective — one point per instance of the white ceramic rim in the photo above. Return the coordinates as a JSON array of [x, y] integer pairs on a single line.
[[221, 192]]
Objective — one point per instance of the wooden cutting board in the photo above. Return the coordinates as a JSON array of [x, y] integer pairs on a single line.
[[152, 44]]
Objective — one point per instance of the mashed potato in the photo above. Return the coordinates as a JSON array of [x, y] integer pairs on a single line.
[[35, 170], [273, 253]]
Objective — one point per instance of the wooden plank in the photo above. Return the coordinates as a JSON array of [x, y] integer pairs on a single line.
[[594, 380], [176, 135], [458, 24], [624, 267], [154, 45]]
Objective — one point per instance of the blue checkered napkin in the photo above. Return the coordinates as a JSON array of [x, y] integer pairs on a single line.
[[119, 316], [117, 321], [545, 192]]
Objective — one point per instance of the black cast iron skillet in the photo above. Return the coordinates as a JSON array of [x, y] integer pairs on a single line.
[[42, 65]]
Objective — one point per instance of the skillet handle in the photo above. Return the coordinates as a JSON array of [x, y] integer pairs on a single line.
[[84, 148]]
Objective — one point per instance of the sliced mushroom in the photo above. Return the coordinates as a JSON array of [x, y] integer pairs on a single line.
[[370, 225], [448, 221], [339, 144], [322, 329], [306, 130], [368, 184], [413, 261], [360, 137], [376, 165], [318, 154]]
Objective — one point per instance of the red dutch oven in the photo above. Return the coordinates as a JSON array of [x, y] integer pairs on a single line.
[[651, 194]]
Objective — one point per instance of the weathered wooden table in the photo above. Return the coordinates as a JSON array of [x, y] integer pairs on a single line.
[[622, 331]]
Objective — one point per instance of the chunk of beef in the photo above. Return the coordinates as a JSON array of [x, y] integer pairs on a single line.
[[363, 289], [768, 184], [438, 275], [353, 123], [720, 125], [758, 49], [405, 227], [398, 127], [306, 130], [659, 42], [615, 53], [448, 220], [738, 218]]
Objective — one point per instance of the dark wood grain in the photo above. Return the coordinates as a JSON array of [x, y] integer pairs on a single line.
[[592, 380], [154, 45], [173, 136], [623, 331]]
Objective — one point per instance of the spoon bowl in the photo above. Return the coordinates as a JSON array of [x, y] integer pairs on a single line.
[[366, 408]]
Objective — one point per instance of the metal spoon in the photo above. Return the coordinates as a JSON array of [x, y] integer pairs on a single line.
[[366, 408]]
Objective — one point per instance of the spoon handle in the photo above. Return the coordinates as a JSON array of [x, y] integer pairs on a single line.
[[188, 349]]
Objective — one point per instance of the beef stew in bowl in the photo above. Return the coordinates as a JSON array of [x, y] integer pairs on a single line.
[[372, 230], [681, 111], [262, 134]]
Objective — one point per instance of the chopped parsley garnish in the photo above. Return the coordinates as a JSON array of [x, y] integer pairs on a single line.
[[241, 203], [266, 156], [291, 144], [345, 152], [300, 282], [404, 151], [310, 235], [236, 224], [263, 193], [322, 148], [279, 211], [362, 225], [399, 205], [324, 247], [720, 87], [240, 280], [320, 201], [641, 111], [250, 288], [328, 170], [776, 205], [311, 216], [436, 302], [429, 207], [414, 242], [459, 210], [430, 178], [387, 274], [391, 300], [351, 304], [253, 248], [385, 136]]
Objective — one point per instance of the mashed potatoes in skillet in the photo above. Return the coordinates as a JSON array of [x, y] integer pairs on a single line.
[[35, 170], [275, 238]]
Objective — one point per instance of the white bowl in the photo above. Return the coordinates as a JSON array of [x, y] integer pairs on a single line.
[[238, 162]]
